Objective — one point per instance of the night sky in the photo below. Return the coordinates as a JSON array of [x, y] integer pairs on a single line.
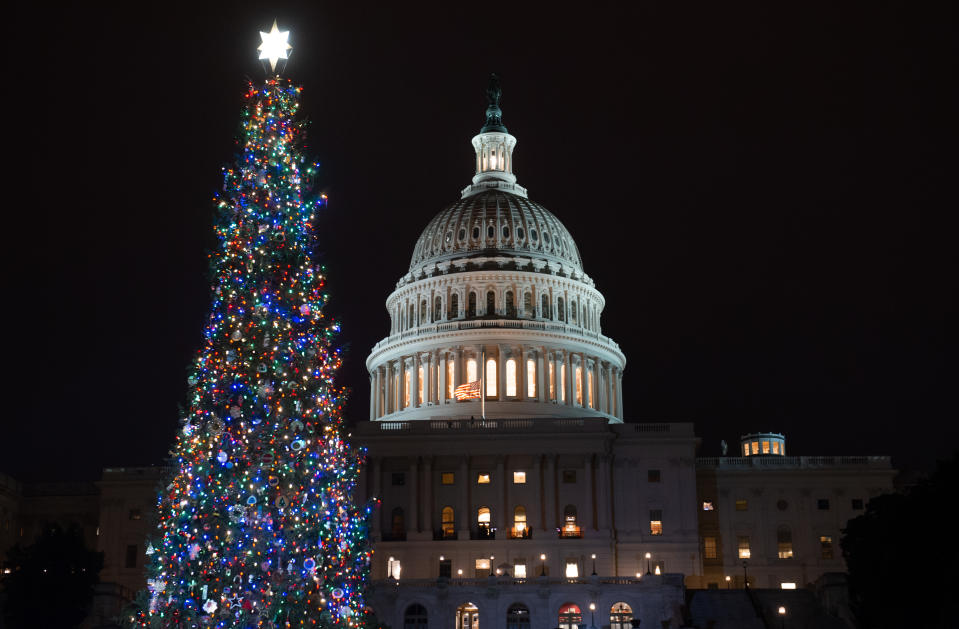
[[765, 196]]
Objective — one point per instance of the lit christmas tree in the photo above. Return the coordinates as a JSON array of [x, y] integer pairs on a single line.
[[257, 526]]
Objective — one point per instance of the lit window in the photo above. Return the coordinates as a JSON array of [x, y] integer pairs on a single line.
[[755, 447], [511, 378], [742, 505], [787, 586], [776, 451], [482, 564], [709, 548], [406, 388], [579, 386], [519, 521], [450, 375], [823, 504], [825, 546], [655, 521], [562, 383], [572, 569], [419, 385], [393, 568], [490, 377], [519, 569], [765, 447], [744, 547], [589, 389], [519, 478], [784, 543], [653, 476], [745, 449], [471, 374], [708, 505], [483, 516], [448, 478], [530, 378], [482, 479], [448, 521]]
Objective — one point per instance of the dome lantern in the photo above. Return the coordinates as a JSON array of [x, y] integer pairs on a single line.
[[494, 150]]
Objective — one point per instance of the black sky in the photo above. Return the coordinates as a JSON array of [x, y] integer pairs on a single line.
[[765, 195]]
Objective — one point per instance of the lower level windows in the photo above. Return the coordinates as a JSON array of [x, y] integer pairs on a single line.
[[744, 551], [825, 546]]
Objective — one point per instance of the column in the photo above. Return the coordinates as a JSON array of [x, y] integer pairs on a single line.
[[600, 386], [521, 376], [458, 367], [413, 519], [372, 397], [619, 394], [568, 381], [378, 404], [428, 495], [559, 385], [608, 387], [464, 517], [501, 373], [541, 373], [441, 384], [388, 398], [414, 380], [428, 396]]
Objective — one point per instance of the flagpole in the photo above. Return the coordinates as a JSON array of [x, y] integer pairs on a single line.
[[483, 385]]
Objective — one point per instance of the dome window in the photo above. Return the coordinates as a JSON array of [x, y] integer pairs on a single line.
[[462, 234], [546, 237], [476, 232], [449, 237], [505, 231], [490, 232], [519, 233], [533, 234]]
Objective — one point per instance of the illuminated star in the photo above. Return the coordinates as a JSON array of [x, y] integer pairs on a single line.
[[274, 46]]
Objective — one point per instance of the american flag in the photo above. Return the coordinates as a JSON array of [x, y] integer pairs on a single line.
[[468, 391]]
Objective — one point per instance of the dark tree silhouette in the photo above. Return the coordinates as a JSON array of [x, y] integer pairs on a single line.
[[51, 585], [902, 555]]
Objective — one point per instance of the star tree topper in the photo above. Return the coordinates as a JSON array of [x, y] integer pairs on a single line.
[[274, 46]]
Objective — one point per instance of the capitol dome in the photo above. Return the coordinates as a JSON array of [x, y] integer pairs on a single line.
[[496, 317]]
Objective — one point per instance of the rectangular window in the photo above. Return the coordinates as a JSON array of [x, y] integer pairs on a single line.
[[823, 504], [519, 478], [655, 521], [569, 476], [708, 505], [393, 568], [450, 378], [709, 548], [653, 476], [419, 386], [482, 479], [136, 514], [530, 378], [857, 504], [765, 447], [825, 546], [482, 567], [742, 505], [131, 559], [446, 568], [788, 586], [552, 384], [448, 478], [519, 569], [744, 552], [572, 569], [784, 543], [562, 383], [755, 447], [745, 449], [398, 479], [775, 447]]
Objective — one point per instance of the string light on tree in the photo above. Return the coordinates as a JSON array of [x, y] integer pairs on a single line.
[[257, 526]]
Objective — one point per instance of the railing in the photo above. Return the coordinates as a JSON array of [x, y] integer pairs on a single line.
[[570, 532], [526, 533], [775, 461], [394, 537], [532, 580], [538, 424], [513, 324], [483, 533], [444, 535]]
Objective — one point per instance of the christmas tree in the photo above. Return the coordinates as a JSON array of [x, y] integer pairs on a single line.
[[257, 526]]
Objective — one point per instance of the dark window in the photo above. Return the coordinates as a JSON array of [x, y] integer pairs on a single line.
[[532, 234], [519, 232], [782, 505], [476, 232], [471, 305], [446, 568], [462, 233], [454, 306], [569, 476], [490, 303], [398, 479], [544, 310], [561, 309], [136, 514], [490, 232], [823, 504], [517, 616], [437, 309], [131, 561], [505, 231], [528, 304], [510, 305], [857, 504], [398, 524], [415, 617], [653, 476]]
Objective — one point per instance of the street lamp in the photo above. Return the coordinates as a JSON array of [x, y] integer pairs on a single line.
[[542, 558], [782, 617], [728, 580], [594, 564], [648, 557], [592, 608]]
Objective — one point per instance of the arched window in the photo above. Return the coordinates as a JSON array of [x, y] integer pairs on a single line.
[[490, 232], [491, 377], [484, 523], [511, 378], [519, 522], [570, 525], [530, 377], [490, 303], [510, 305], [572, 311], [578, 384], [454, 312], [620, 616], [472, 375], [423, 312], [517, 616], [528, 305], [471, 305], [476, 232], [467, 616], [448, 523], [562, 383], [570, 616], [415, 617], [544, 308], [561, 309], [419, 385], [589, 389], [411, 318], [450, 376], [437, 309], [398, 524], [552, 385], [406, 388]]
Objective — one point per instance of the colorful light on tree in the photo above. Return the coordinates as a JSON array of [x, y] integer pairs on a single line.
[[257, 526]]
